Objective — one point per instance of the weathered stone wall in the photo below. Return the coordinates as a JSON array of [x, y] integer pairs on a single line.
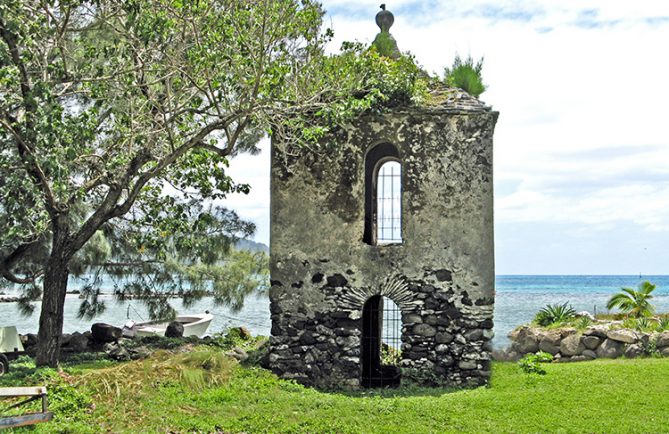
[[441, 276], [595, 342]]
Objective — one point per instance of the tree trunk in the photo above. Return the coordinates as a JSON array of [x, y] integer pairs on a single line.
[[51, 317]]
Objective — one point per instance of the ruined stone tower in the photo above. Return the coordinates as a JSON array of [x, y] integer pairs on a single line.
[[382, 259]]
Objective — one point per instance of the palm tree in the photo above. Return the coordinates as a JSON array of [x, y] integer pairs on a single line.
[[634, 303]]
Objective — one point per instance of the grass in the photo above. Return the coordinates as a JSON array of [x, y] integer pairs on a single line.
[[608, 396]]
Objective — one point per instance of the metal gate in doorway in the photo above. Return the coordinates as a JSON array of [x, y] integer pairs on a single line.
[[381, 343]]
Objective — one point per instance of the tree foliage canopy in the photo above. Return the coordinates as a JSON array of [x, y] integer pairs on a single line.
[[117, 120]]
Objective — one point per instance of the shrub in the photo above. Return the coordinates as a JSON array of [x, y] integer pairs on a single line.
[[390, 355], [642, 324], [634, 303], [466, 75], [554, 314], [583, 322], [650, 347], [530, 364], [663, 324]]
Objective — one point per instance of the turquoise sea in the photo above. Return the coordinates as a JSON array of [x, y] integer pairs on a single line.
[[518, 298]]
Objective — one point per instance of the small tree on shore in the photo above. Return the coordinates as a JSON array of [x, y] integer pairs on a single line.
[[634, 303]]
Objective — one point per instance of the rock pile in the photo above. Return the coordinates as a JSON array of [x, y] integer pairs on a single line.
[[597, 341], [101, 338]]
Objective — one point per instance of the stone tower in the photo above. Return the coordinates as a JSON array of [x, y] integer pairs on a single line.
[[382, 258]]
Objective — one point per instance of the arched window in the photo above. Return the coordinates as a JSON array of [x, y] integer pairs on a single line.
[[389, 203], [383, 196], [381, 342]]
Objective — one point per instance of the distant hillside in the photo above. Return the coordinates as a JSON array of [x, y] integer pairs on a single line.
[[252, 246]]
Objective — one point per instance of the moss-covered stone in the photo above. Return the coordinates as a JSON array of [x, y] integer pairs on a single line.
[[386, 45], [441, 276]]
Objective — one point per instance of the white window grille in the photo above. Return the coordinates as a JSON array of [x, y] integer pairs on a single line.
[[389, 203]]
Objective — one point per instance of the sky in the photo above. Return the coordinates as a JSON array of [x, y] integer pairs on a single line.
[[581, 147]]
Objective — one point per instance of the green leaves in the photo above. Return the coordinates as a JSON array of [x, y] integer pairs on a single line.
[[357, 81], [554, 314], [466, 75], [531, 363], [634, 303]]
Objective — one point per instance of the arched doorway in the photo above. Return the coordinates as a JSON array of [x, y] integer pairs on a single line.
[[381, 343]]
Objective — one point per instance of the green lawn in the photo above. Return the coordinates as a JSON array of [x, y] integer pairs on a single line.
[[604, 396]]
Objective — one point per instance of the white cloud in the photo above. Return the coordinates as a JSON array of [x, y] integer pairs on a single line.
[[253, 170], [592, 83]]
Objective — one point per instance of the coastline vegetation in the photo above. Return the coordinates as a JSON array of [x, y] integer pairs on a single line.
[[637, 313], [634, 303]]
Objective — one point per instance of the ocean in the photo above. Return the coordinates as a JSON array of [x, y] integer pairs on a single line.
[[517, 299]]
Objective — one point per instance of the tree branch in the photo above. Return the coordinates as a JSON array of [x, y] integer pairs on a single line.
[[33, 167], [10, 260]]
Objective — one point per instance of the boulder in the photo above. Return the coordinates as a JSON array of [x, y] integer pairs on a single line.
[[119, 353], [467, 365], [505, 355], [549, 341], [412, 318], [174, 330], [104, 333], [473, 335], [662, 340], [552, 337], [78, 342], [548, 347], [585, 314], [571, 345], [579, 358], [425, 330], [238, 354], [524, 340], [610, 349], [633, 351], [65, 339], [665, 351], [589, 354], [29, 340], [597, 330], [622, 335], [564, 332], [140, 352], [591, 342], [443, 338]]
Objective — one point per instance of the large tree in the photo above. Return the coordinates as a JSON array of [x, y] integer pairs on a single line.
[[117, 119], [105, 105]]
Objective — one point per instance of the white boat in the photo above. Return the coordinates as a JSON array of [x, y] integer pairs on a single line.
[[194, 325]]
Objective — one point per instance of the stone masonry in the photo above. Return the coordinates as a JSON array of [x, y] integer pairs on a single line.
[[441, 276]]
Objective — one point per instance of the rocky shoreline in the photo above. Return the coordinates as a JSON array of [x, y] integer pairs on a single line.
[[605, 340], [104, 338]]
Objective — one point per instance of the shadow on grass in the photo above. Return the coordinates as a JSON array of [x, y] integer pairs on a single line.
[[403, 391]]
